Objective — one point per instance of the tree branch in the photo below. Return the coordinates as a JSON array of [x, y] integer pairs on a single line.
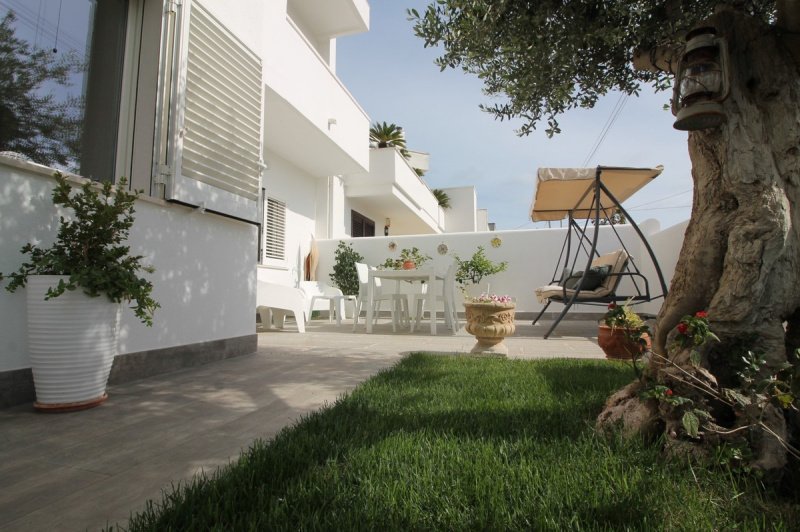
[[658, 59]]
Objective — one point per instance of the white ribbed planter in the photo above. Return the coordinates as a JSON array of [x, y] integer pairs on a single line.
[[72, 341]]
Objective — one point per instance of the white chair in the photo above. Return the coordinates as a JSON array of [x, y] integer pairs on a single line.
[[274, 301], [399, 302], [447, 296], [319, 291]]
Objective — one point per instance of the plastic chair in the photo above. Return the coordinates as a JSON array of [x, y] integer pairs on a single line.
[[399, 302], [319, 291], [447, 296]]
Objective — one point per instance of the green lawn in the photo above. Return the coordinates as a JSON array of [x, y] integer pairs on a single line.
[[455, 443]]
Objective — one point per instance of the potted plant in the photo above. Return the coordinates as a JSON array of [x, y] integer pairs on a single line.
[[473, 270], [74, 292], [345, 276], [489, 317], [623, 334], [410, 258]]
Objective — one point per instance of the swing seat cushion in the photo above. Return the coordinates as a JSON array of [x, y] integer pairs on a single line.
[[615, 260]]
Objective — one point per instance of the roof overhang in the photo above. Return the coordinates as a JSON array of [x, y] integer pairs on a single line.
[[332, 18], [560, 191]]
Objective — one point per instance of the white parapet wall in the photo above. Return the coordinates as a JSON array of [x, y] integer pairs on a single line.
[[532, 257], [205, 274]]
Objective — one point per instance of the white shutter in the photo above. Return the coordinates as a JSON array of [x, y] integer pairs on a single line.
[[219, 148], [274, 247]]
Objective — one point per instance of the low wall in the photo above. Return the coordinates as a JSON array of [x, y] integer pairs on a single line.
[[532, 256], [204, 278]]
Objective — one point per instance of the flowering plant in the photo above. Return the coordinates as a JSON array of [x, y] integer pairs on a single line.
[[492, 298], [694, 330], [622, 316]]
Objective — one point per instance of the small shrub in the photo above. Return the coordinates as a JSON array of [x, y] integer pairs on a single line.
[[344, 275]]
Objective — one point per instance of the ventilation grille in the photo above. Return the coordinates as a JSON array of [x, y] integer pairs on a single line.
[[274, 247], [222, 118]]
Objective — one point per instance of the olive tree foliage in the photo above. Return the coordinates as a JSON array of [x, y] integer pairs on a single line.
[[543, 58], [740, 259]]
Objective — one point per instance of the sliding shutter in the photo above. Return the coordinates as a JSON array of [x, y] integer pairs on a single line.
[[218, 150]]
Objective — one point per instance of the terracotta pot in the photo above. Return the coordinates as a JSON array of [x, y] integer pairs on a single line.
[[616, 344], [490, 323], [409, 265]]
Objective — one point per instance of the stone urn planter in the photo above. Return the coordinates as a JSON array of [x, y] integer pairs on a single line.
[[490, 322], [617, 344]]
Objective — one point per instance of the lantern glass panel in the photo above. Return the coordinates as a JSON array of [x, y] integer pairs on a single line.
[[700, 80]]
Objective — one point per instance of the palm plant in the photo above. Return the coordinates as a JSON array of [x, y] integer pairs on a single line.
[[384, 135], [442, 198]]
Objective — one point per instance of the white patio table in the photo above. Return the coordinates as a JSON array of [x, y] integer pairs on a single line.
[[419, 274]]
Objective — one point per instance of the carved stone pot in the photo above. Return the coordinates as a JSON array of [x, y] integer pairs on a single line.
[[490, 323]]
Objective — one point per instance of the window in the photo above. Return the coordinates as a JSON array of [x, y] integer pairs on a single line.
[[360, 225], [209, 113], [62, 97], [275, 230]]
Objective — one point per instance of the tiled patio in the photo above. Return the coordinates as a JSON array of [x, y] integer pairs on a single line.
[[88, 469]]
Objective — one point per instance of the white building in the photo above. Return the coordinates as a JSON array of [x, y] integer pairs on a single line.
[[231, 119]]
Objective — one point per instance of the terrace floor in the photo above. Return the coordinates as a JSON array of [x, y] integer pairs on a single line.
[[89, 469]]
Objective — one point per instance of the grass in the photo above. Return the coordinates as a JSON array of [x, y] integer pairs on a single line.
[[458, 443]]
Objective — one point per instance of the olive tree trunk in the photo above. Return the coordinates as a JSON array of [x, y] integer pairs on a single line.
[[740, 259]]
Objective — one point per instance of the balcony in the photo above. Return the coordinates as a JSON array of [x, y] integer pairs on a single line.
[[327, 19], [310, 118], [394, 189]]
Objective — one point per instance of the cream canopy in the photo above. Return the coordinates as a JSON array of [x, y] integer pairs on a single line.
[[560, 190]]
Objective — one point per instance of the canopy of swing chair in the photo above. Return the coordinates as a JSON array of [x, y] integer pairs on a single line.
[[561, 190]]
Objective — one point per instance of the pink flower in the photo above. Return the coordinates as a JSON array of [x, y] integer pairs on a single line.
[[683, 328], [701, 314]]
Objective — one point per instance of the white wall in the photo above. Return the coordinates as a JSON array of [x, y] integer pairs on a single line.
[[285, 182], [460, 217], [204, 279], [666, 245], [532, 256]]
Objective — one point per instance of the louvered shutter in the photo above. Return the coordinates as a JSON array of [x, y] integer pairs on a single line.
[[219, 149], [274, 246]]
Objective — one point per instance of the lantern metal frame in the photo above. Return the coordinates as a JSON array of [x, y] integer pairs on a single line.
[[704, 111]]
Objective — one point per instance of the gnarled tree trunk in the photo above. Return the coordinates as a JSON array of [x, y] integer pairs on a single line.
[[740, 259]]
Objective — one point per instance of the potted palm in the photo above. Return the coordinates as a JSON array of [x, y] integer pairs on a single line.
[[74, 291], [623, 334], [383, 135]]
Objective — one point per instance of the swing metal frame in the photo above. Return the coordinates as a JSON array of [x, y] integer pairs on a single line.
[[598, 210]]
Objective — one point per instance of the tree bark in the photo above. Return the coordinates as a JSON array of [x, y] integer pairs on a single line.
[[741, 252], [740, 258]]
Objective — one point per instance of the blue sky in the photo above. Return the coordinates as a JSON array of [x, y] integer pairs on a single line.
[[394, 79]]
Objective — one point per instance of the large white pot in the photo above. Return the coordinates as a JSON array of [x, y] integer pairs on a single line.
[[72, 341]]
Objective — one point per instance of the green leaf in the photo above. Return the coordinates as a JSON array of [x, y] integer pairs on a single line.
[[736, 396], [691, 424]]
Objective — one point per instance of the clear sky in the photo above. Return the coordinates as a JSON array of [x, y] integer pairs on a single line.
[[393, 77]]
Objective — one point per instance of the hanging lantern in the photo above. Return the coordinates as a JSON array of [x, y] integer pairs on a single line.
[[702, 81]]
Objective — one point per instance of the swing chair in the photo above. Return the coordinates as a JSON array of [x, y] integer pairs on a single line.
[[592, 195]]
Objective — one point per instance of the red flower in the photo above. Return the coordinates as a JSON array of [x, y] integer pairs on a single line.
[[683, 328], [701, 314], [612, 306], [668, 392]]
